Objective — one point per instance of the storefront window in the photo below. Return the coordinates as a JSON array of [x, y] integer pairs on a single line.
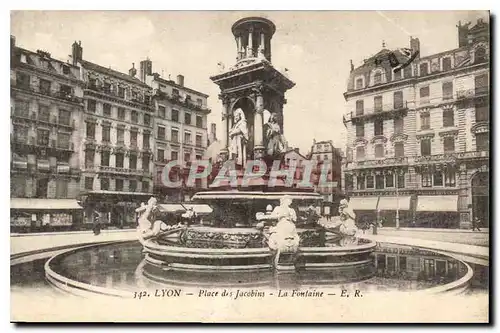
[[389, 180], [360, 182], [369, 182], [379, 182]]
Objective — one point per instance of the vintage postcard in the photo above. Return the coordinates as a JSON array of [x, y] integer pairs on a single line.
[[262, 167]]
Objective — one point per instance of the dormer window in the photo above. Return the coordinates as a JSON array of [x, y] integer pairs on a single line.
[[377, 78], [424, 69], [66, 69], [397, 75], [446, 64], [359, 83], [480, 55]]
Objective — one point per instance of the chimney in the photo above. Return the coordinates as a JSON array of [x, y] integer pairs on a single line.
[[77, 52], [146, 68], [415, 46], [463, 32], [180, 80], [132, 72]]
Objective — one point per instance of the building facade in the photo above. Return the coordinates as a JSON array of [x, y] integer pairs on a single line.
[[418, 138], [180, 132], [46, 112], [329, 157], [116, 153]]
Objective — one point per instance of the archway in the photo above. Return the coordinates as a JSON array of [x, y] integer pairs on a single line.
[[480, 198], [248, 107]]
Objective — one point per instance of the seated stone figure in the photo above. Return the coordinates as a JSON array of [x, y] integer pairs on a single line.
[[344, 225], [147, 227]]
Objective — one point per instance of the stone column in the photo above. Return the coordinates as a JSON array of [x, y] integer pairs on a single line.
[[250, 44], [262, 45], [258, 123], [463, 198], [224, 123], [238, 48]]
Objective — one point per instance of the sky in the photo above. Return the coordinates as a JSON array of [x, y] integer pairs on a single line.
[[315, 46]]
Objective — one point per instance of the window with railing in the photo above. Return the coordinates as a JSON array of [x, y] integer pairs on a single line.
[[134, 117], [162, 112], [482, 142], [90, 130], [437, 178], [160, 155], [425, 121], [174, 135], [119, 185], [132, 162], [187, 138], [174, 155], [106, 133], [119, 157], [398, 125], [398, 100], [360, 182], [106, 87], [175, 115], [378, 127], [145, 162], [389, 180], [147, 119], [42, 137], [399, 149], [449, 144], [360, 109], [23, 80], [448, 118], [360, 153], [89, 183], [105, 158], [64, 117], [44, 87], [400, 178], [481, 84], [187, 118], [424, 94], [105, 184], [379, 151], [425, 147], [198, 140], [121, 113], [448, 90], [377, 100], [370, 181], [379, 182], [482, 112], [63, 140], [120, 135], [91, 105], [199, 102], [132, 185], [89, 158], [145, 187], [449, 177], [146, 140], [426, 179], [161, 132], [377, 78], [106, 110], [20, 133], [21, 108], [65, 91], [133, 138], [199, 121], [43, 113]]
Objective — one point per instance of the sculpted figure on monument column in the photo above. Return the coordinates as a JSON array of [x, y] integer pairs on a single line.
[[238, 136]]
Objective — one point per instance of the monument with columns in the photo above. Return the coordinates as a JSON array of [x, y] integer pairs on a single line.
[[250, 90]]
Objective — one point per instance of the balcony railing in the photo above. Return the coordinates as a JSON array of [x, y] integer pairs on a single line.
[[471, 93], [177, 99], [366, 112], [382, 162], [64, 95], [122, 171]]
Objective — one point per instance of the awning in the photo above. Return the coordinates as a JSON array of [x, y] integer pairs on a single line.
[[437, 203], [43, 204], [394, 203], [363, 203], [178, 208]]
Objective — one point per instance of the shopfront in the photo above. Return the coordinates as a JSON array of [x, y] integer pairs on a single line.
[[44, 215], [437, 211]]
